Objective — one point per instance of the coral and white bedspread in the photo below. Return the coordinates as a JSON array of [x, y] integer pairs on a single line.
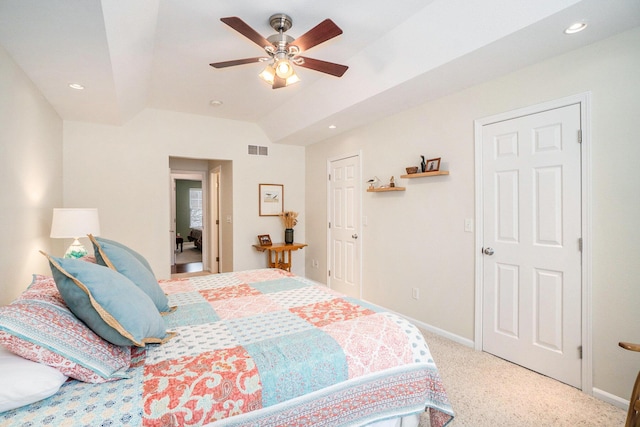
[[262, 348]]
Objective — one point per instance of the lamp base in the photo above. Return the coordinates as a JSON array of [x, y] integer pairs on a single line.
[[76, 250]]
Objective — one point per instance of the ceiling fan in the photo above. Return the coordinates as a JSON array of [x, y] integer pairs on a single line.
[[283, 50]]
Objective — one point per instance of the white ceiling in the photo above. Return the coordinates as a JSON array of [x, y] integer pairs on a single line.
[[138, 54]]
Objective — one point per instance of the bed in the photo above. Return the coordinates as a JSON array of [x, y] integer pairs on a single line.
[[253, 348]]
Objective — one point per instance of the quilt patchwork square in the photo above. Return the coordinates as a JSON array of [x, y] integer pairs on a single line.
[[228, 292], [270, 325], [284, 284], [296, 364], [372, 343], [185, 298], [253, 276], [303, 296], [243, 307], [214, 281], [191, 340], [192, 314], [326, 312], [189, 390]]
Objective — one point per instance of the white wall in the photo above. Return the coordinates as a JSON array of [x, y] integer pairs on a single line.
[[124, 172], [416, 238], [31, 177]]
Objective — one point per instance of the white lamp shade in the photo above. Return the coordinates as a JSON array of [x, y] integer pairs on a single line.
[[72, 223]]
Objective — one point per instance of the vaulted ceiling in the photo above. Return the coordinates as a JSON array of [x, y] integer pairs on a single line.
[[136, 54]]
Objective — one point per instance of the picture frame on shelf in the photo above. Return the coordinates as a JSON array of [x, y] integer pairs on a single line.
[[433, 165], [270, 199], [264, 240]]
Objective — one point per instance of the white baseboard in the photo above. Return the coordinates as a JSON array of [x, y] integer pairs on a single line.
[[597, 393], [453, 337], [611, 398]]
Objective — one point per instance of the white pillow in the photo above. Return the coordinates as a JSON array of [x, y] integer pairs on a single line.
[[23, 382]]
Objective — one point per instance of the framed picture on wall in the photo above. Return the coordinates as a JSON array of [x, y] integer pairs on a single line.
[[433, 165], [271, 199], [264, 240]]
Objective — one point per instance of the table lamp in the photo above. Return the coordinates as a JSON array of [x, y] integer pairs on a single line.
[[72, 223]]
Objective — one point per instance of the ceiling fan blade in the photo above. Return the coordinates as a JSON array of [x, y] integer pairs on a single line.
[[323, 66], [322, 32], [278, 82], [243, 28], [225, 64]]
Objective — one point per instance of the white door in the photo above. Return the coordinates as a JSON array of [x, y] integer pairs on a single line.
[[531, 171], [344, 225]]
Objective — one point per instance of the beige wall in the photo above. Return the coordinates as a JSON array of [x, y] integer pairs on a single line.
[[416, 238], [124, 172], [31, 177]]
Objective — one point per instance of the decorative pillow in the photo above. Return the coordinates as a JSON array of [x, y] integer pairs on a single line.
[[39, 327], [109, 303], [139, 257], [23, 382], [126, 263]]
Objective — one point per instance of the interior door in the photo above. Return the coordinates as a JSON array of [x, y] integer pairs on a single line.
[[531, 171], [344, 226]]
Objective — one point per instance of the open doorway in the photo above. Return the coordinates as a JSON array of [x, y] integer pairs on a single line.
[[189, 226], [201, 195]]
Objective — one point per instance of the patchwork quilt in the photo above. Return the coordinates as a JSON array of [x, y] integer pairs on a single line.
[[260, 348]]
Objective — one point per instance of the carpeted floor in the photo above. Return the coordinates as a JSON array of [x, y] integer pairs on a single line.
[[487, 391], [189, 254]]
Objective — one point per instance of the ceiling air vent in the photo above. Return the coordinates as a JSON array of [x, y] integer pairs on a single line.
[[257, 150]]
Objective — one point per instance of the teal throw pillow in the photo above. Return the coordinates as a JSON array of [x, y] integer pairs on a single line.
[[109, 303], [114, 255], [139, 257]]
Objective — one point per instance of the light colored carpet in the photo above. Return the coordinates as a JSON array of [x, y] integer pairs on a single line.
[[189, 254], [487, 391]]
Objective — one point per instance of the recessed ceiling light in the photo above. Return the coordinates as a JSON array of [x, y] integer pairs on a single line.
[[215, 103], [332, 126], [576, 28], [76, 86]]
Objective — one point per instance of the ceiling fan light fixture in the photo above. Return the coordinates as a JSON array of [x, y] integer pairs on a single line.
[[268, 74], [284, 69], [293, 78]]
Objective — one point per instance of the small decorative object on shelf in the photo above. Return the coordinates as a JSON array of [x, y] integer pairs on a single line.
[[412, 169], [423, 165], [289, 220], [264, 240], [433, 165], [373, 183], [392, 182]]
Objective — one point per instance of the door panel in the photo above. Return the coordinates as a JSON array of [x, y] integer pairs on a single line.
[[532, 220], [344, 202]]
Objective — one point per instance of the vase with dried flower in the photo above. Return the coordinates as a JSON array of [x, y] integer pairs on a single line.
[[289, 220]]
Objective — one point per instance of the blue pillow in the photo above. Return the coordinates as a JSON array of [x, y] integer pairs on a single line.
[[116, 257], [126, 248], [109, 303]]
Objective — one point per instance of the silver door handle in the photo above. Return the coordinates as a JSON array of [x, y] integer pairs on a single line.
[[354, 236], [488, 251]]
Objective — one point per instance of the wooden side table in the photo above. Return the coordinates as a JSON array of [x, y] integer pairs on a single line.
[[279, 254]]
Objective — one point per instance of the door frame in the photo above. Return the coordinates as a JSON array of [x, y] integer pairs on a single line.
[[330, 160], [584, 100], [203, 178]]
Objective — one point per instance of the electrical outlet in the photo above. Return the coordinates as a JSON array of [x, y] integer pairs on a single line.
[[415, 293]]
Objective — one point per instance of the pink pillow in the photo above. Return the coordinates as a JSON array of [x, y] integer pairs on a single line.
[[38, 326]]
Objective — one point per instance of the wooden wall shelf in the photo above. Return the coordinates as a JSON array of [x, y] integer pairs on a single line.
[[424, 174], [381, 190]]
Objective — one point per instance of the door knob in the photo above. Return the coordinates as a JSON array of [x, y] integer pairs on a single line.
[[354, 236], [488, 251]]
